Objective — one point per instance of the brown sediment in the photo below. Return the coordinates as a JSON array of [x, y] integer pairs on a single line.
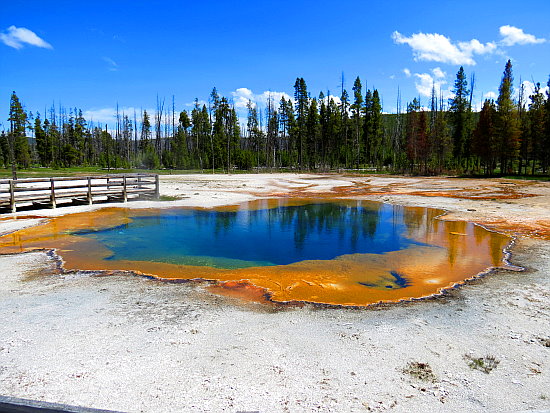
[[243, 290], [451, 251], [539, 229], [365, 189]]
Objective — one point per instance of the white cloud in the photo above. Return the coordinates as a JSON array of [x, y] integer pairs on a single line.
[[474, 46], [336, 99], [490, 95], [19, 37], [274, 96], [102, 115], [512, 35], [108, 115], [200, 102], [438, 73], [426, 82], [435, 47], [528, 90], [113, 66], [407, 72], [243, 95]]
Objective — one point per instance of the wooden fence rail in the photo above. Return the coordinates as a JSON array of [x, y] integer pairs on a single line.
[[47, 192]]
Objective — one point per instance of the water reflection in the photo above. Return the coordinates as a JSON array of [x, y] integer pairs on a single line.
[[245, 238]]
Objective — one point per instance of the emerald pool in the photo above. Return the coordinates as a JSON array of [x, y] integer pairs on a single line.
[[257, 237], [345, 252]]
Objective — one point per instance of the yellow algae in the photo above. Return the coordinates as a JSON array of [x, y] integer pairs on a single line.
[[439, 260]]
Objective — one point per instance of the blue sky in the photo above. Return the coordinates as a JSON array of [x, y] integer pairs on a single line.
[[93, 55]]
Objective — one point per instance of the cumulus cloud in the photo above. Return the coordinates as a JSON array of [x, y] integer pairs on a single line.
[[474, 46], [108, 115], [426, 81], [200, 102], [438, 73], [100, 115], [336, 99], [243, 95], [528, 91], [490, 95], [513, 35], [407, 72], [434, 47], [19, 37]]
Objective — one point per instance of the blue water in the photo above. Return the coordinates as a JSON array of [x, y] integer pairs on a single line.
[[247, 238]]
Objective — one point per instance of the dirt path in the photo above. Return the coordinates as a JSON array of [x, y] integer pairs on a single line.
[[134, 344]]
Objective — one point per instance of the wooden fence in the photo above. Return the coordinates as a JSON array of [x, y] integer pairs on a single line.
[[48, 192]]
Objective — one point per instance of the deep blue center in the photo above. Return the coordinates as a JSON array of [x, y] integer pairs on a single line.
[[246, 238]]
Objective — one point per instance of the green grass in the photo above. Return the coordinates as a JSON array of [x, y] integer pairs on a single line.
[[420, 371], [168, 198], [91, 170], [485, 364], [528, 177]]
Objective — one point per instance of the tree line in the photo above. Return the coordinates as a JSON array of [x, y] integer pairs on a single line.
[[509, 135]]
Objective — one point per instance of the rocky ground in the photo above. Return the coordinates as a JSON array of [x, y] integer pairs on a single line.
[[135, 344]]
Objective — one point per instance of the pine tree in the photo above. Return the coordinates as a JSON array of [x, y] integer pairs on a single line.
[[272, 133], [301, 99], [459, 111], [440, 140], [368, 143], [422, 143], [254, 131], [145, 131], [180, 147], [343, 145], [376, 129], [356, 112], [313, 134], [19, 145], [335, 146], [507, 123], [545, 140], [42, 148], [484, 136], [536, 124], [411, 132], [200, 131]]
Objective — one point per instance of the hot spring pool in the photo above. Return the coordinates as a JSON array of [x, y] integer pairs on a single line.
[[337, 252]]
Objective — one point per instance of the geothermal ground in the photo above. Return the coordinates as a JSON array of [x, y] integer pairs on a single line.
[[134, 344]]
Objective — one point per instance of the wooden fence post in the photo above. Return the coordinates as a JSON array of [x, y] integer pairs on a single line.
[[12, 196], [89, 197], [157, 187], [52, 193], [124, 191]]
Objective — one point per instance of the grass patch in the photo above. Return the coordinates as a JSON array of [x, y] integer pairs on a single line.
[[420, 371], [168, 198], [529, 177], [485, 364], [92, 170]]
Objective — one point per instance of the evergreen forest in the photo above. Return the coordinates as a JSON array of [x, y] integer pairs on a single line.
[[508, 136]]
